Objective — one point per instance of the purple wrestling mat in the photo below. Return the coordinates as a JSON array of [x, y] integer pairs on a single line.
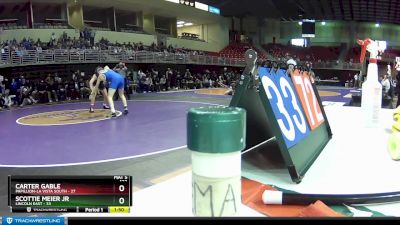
[[339, 98], [150, 127]]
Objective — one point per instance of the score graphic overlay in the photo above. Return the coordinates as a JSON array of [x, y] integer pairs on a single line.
[[58, 194], [285, 105], [308, 98]]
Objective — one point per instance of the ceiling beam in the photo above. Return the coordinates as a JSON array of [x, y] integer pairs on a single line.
[[362, 7], [300, 8], [327, 9], [322, 9], [396, 10], [341, 8], [332, 10], [276, 9], [311, 9], [356, 8], [351, 9]]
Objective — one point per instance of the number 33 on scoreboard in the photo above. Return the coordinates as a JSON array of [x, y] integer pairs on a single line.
[[308, 99], [285, 105]]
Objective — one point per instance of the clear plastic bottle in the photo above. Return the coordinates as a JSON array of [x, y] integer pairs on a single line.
[[371, 98]]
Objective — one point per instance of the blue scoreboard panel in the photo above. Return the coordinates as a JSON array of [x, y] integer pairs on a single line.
[[285, 105]]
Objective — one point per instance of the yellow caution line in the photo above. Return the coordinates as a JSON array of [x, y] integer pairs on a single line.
[[170, 175]]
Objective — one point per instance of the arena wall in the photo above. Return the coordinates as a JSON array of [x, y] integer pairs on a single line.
[[43, 34]]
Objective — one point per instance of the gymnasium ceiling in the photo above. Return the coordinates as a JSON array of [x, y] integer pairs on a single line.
[[384, 11], [158, 7]]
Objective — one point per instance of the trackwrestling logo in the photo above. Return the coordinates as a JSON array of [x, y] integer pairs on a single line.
[[33, 220], [65, 117]]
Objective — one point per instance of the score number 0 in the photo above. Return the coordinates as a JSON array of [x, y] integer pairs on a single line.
[[121, 200]]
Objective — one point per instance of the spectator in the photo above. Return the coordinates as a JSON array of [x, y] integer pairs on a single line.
[[356, 80], [142, 83], [385, 85], [61, 91], [2, 87], [92, 35], [39, 92], [26, 96], [197, 83], [206, 82], [51, 88], [149, 83], [123, 70], [72, 91], [163, 83], [7, 101], [2, 101], [190, 81], [84, 90], [14, 90], [168, 76]]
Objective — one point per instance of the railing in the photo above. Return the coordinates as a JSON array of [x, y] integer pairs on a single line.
[[337, 65], [64, 56]]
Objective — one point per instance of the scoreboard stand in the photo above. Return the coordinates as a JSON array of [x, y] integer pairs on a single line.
[[285, 117]]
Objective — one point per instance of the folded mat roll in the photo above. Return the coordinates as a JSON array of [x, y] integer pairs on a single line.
[[252, 196]]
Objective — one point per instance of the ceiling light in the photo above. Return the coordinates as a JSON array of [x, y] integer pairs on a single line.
[[377, 25], [323, 23], [188, 24], [201, 6], [300, 23], [179, 25], [180, 22]]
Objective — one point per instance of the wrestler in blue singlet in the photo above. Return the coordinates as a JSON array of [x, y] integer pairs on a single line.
[[115, 79]]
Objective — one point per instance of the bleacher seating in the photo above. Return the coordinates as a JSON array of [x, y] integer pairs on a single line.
[[354, 55], [391, 53], [324, 53], [51, 26], [11, 26], [313, 53], [237, 50]]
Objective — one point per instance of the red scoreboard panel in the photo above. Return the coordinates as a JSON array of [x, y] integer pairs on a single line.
[[308, 98]]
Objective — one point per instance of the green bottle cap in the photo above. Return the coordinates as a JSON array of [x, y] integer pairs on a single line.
[[216, 129]]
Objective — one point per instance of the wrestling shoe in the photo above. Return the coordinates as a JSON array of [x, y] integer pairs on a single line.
[[106, 107], [114, 115], [91, 110], [126, 111]]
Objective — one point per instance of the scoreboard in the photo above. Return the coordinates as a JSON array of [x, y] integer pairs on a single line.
[[284, 115], [308, 98], [285, 105], [62, 194]]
